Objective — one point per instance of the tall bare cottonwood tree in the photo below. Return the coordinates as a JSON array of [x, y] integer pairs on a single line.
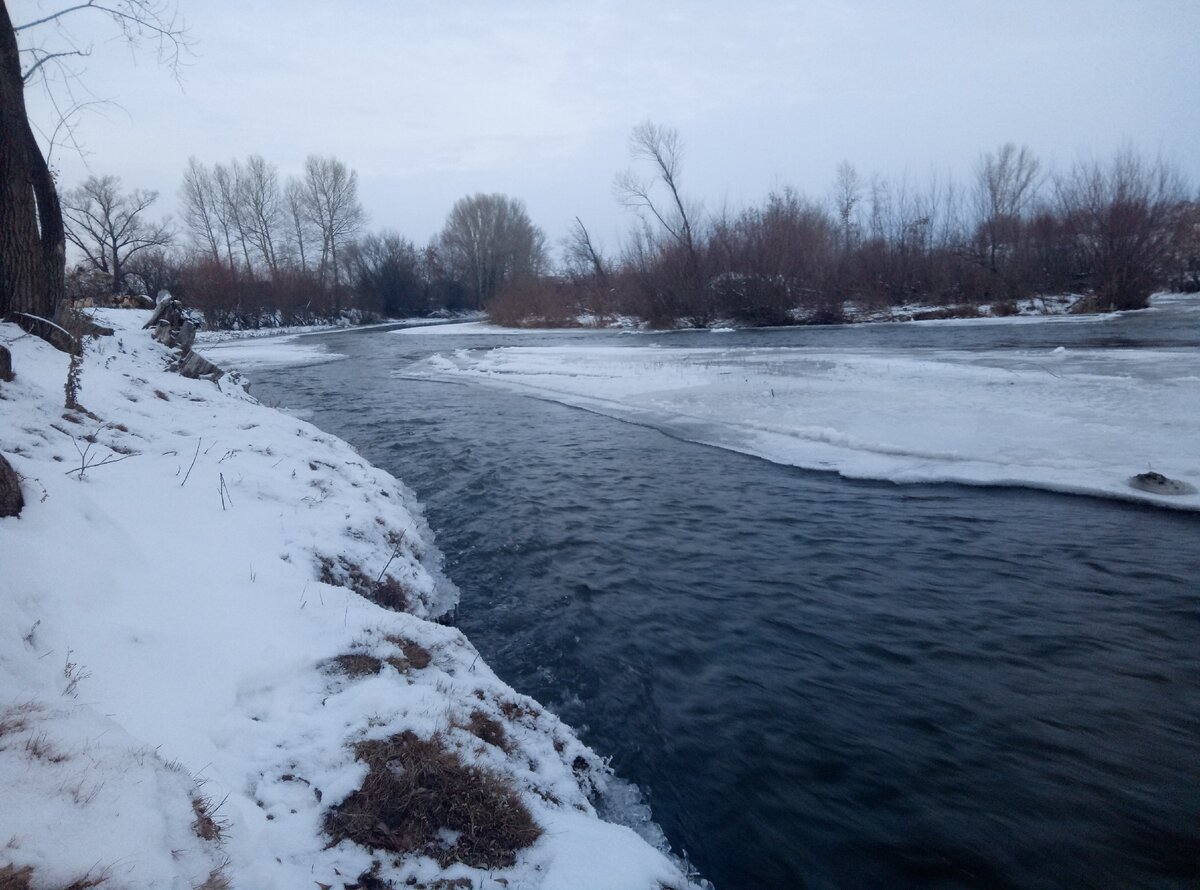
[[330, 191], [32, 236], [32, 241]]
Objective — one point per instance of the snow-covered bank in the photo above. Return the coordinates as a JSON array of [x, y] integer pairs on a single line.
[[186, 669], [1080, 420]]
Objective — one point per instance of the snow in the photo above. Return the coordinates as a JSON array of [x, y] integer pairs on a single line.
[[1081, 421], [172, 598], [258, 352]]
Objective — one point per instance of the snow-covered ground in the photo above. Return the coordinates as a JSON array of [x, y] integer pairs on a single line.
[[185, 668], [1072, 420]]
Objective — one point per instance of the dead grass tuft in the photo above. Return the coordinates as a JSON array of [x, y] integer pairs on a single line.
[[387, 591], [14, 719], [13, 878], [357, 664], [390, 594], [216, 880], [39, 748], [208, 826], [162, 395], [86, 883], [419, 797], [488, 729], [414, 653], [514, 711]]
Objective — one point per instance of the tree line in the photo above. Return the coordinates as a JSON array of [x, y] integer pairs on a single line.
[[1112, 231], [253, 248]]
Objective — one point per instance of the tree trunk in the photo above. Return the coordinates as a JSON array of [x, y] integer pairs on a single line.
[[32, 246], [11, 501]]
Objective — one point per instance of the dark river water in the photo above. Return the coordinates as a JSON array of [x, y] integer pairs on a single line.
[[816, 682]]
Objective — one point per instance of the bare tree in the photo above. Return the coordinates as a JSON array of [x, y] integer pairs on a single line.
[[32, 235], [200, 210], [662, 149], [262, 211], [387, 275], [1121, 219], [582, 255], [330, 190], [847, 192], [32, 240], [110, 226], [299, 227], [488, 241], [228, 180], [1006, 183]]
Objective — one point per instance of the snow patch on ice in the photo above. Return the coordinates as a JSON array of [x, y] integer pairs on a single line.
[[1077, 421]]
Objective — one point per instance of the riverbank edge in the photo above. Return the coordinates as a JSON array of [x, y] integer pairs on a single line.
[[177, 707]]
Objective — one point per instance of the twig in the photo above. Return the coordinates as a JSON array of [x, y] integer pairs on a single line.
[[194, 456], [224, 491], [102, 463]]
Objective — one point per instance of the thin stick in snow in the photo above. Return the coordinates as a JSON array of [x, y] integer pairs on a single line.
[[194, 456]]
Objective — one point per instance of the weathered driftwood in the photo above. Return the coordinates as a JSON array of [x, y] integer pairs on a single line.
[[196, 366], [11, 501], [186, 337], [6, 371]]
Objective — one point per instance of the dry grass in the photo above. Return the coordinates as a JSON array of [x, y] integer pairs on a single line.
[[208, 826], [414, 653], [416, 789], [357, 664], [13, 878], [216, 880], [513, 711], [16, 718], [488, 729], [386, 591], [39, 748]]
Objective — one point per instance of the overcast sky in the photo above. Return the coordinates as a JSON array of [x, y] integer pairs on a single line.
[[430, 100]]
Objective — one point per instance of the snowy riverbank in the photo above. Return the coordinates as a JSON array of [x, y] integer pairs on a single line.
[[190, 685], [1081, 421]]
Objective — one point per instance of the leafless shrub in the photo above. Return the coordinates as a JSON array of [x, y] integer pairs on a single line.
[[418, 789]]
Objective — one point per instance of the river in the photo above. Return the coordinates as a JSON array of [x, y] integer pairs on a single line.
[[815, 682]]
